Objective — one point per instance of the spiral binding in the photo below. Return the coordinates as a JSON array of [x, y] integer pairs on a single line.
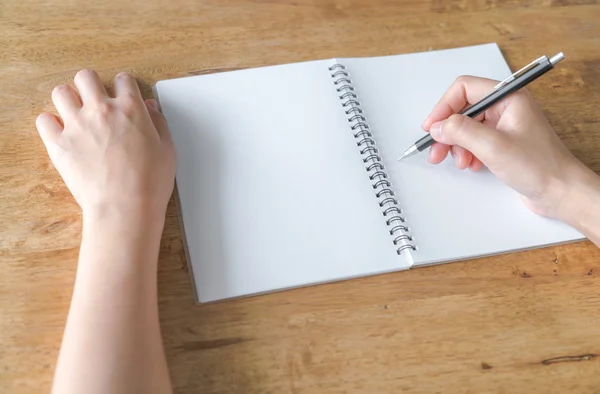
[[382, 187]]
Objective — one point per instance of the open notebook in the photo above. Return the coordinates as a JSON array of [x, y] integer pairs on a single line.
[[287, 175]]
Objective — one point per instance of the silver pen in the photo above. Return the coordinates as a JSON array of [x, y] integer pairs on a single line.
[[516, 81]]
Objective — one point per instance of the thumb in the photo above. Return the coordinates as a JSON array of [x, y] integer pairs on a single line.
[[159, 121], [468, 133]]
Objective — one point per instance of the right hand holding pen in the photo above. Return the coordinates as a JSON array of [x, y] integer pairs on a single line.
[[513, 139]]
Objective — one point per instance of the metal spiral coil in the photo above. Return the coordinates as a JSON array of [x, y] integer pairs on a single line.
[[340, 72], [350, 94], [381, 182], [404, 247], [361, 133], [355, 117], [353, 110], [345, 87], [370, 149], [373, 162]]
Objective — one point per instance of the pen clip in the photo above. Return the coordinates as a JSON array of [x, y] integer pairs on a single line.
[[520, 72]]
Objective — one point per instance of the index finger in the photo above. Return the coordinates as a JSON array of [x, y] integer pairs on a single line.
[[465, 90]]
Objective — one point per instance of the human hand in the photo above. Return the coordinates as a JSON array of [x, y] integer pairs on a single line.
[[513, 139], [114, 154]]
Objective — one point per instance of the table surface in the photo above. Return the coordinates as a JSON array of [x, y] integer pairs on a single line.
[[523, 322]]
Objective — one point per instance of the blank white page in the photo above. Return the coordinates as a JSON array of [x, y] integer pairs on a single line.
[[272, 189], [453, 214]]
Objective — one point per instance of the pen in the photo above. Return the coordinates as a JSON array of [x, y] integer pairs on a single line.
[[516, 81]]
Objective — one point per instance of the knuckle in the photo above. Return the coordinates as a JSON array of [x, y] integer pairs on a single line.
[[77, 124], [462, 79], [129, 97], [103, 108], [453, 124], [128, 104], [129, 108]]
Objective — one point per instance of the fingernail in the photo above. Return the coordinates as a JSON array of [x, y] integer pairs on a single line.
[[455, 156], [436, 130], [153, 104], [430, 155]]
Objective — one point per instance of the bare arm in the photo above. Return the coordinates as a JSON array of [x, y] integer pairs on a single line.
[[581, 204], [116, 157], [516, 142]]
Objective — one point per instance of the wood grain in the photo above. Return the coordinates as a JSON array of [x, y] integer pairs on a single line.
[[525, 322]]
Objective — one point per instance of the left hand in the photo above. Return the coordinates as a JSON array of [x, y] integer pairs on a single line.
[[115, 154]]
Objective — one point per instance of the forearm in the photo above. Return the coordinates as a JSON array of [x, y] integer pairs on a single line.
[[582, 204], [112, 340]]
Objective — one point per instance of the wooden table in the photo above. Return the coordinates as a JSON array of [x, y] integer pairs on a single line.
[[526, 322]]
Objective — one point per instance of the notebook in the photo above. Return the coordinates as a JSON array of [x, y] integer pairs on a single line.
[[287, 175]]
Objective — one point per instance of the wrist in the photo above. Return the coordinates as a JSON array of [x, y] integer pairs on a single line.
[[123, 232], [121, 218], [581, 198], [119, 243]]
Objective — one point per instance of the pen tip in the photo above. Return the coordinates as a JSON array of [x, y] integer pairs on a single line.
[[407, 153]]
